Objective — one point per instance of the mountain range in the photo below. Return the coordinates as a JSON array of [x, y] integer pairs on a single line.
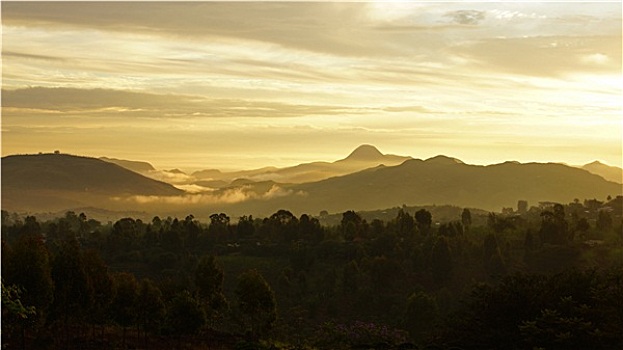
[[49, 182], [363, 157], [365, 180]]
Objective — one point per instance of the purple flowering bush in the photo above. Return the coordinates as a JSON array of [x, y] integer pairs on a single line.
[[359, 334]]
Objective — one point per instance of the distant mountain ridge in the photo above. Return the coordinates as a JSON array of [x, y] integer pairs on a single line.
[[136, 166], [610, 173], [365, 180], [363, 157], [56, 180], [445, 181]]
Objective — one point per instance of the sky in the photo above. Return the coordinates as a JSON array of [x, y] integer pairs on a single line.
[[233, 85]]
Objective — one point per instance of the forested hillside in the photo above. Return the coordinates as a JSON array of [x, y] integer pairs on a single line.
[[548, 277]]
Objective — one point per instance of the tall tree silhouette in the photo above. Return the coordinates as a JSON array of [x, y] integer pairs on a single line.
[[424, 220], [72, 292], [29, 269], [256, 302], [123, 307]]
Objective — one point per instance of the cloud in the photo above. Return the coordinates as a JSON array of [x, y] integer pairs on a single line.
[[319, 27], [595, 58], [466, 17], [554, 56], [19, 55], [180, 180], [227, 196], [120, 103]]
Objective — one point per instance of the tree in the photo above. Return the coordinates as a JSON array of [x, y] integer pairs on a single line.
[[466, 218], [184, 315], [256, 303], [72, 295], [493, 262], [604, 221], [14, 313], [31, 226], [384, 273], [283, 226], [123, 307], [310, 229], [100, 283], [421, 313], [554, 227], [441, 260], [350, 277], [209, 283], [150, 306], [351, 225], [192, 230], [208, 277], [245, 227], [405, 224], [424, 220], [124, 234], [219, 226], [29, 269]]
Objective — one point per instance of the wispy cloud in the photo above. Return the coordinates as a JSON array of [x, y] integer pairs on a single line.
[[237, 83], [466, 17], [227, 196], [108, 103]]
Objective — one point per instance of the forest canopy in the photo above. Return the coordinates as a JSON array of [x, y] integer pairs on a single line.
[[546, 277]]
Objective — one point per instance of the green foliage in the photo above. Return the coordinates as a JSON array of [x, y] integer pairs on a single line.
[[358, 334], [123, 306], [421, 314], [351, 225], [14, 313], [604, 220], [256, 302], [553, 311], [337, 274], [184, 315], [424, 220], [209, 283], [554, 227], [100, 284], [405, 224], [72, 293], [551, 330], [441, 260], [208, 277], [150, 308], [28, 268]]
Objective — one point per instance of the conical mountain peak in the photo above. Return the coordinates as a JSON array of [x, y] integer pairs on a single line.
[[365, 152]]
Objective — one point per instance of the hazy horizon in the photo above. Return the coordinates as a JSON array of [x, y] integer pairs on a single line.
[[246, 85], [193, 168]]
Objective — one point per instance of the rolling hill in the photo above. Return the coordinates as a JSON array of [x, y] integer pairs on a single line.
[[438, 181], [136, 166], [444, 180], [610, 173], [59, 181]]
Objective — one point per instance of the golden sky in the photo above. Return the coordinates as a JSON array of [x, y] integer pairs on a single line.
[[243, 85]]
